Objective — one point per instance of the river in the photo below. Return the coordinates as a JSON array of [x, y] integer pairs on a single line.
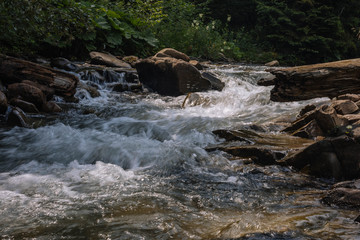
[[134, 166]]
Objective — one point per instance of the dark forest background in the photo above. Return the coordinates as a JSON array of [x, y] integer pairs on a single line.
[[293, 31]]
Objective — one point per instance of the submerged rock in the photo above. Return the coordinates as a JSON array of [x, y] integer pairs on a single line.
[[25, 106], [16, 117]]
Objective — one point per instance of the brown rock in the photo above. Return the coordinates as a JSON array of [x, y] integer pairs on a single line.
[[322, 120], [258, 154], [3, 103], [351, 97], [170, 76], [310, 130], [48, 91], [318, 80], [63, 63], [272, 63], [130, 60], [25, 106], [170, 52], [196, 64], [268, 81], [343, 197], [336, 157], [92, 90], [13, 70], [344, 107], [351, 118], [327, 119], [107, 60], [27, 93], [306, 109], [52, 107]]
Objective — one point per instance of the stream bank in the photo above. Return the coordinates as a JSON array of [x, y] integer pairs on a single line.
[[131, 165]]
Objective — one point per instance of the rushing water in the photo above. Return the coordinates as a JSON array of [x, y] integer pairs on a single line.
[[133, 166]]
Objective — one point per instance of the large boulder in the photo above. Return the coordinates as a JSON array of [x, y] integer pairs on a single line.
[[170, 52], [107, 60], [27, 93], [170, 73], [332, 157], [317, 80]]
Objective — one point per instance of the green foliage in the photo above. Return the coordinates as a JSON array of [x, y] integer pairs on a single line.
[[294, 31], [75, 27]]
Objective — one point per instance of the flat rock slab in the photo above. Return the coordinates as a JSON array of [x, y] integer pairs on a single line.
[[317, 80]]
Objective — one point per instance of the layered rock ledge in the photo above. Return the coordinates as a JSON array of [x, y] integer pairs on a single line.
[[317, 80]]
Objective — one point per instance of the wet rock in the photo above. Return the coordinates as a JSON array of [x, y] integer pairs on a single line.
[[322, 121], [13, 70], [130, 60], [25, 106], [196, 64], [16, 117], [357, 219], [258, 154], [215, 82], [48, 91], [343, 197], [349, 96], [344, 107], [122, 87], [268, 81], [333, 157], [261, 148], [310, 130], [170, 52], [3, 103], [107, 60], [170, 76], [272, 63], [230, 135], [52, 107], [92, 90], [306, 109], [27, 93], [351, 118], [317, 80], [63, 63]]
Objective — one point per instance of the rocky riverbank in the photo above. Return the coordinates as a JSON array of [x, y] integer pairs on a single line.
[[324, 141]]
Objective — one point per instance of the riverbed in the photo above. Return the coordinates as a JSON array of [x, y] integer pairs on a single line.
[[134, 166]]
